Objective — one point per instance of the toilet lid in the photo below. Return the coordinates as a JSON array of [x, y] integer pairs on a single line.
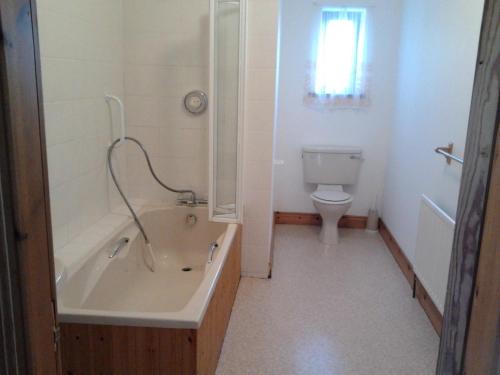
[[332, 196]]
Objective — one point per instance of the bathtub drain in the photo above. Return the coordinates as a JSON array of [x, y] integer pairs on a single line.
[[187, 269]]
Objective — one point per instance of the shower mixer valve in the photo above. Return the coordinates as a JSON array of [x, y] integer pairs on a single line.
[[182, 200]]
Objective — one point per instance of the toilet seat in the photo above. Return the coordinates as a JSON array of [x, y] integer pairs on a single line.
[[331, 197]]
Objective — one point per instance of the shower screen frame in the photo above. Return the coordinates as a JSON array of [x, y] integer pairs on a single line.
[[236, 216]]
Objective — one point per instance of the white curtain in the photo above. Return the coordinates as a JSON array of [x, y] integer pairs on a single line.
[[338, 76]]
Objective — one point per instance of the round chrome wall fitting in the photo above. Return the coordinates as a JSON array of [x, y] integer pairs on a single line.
[[196, 102]]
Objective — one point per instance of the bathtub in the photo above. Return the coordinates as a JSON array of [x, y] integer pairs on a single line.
[[122, 291]]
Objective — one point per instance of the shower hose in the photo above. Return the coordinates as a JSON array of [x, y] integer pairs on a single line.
[[129, 206]]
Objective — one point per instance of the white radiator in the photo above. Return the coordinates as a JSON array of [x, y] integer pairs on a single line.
[[433, 250]]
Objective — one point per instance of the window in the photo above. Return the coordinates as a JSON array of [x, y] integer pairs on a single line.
[[340, 60]]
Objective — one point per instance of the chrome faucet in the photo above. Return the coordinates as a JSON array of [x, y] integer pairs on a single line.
[[119, 245], [211, 250], [189, 202]]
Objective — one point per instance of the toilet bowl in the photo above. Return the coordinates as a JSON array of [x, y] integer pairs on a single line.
[[331, 168], [332, 203]]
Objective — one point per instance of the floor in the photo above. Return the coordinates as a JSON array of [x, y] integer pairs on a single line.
[[345, 310]]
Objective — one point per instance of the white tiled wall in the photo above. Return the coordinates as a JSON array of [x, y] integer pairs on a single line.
[[152, 53], [261, 52], [166, 56], [81, 52]]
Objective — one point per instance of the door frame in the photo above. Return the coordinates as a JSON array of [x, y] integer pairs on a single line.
[[481, 162], [26, 235], [25, 180], [11, 314]]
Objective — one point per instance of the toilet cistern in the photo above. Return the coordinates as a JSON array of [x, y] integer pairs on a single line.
[[330, 168]]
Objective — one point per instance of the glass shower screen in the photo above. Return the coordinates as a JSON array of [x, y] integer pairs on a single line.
[[226, 67]]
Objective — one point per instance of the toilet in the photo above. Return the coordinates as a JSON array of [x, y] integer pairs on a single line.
[[330, 168]]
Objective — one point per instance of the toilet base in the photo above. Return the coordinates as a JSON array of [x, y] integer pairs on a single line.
[[329, 234], [330, 215]]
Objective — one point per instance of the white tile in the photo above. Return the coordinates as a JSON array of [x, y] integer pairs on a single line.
[[258, 204], [81, 48], [257, 232], [261, 52], [259, 115], [259, 146], [188, 143], [91, 154], [193, 78], [56, 35], [190, 173], [255, 260], [263, 17], [260, 84], [149, 48], [152, 80], [257, 175], [152, 16], [62, 162], [149, 111], [148, 136], [59, 236], [59, 122]]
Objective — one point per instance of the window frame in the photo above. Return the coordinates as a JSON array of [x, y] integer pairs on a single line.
[[358, 66]]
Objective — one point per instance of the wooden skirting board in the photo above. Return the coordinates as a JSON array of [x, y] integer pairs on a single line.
[[297, 218], [425, 300]]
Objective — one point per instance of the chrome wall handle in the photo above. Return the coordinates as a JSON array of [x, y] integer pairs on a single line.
[[447, 152], [211, 250], [120, 245]]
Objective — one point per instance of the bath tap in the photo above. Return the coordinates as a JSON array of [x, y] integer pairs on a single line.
[[182, 201], [211, 250], [120, 245]]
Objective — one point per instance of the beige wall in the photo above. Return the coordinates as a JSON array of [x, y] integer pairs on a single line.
[[152, 53], [261, 52], [81, 55], [166, 56]]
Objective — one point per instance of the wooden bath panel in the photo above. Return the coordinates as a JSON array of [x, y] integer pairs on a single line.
[[89, 349]]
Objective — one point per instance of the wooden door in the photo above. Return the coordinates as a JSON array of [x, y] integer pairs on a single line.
[[27, 171], [471, 346], [11, 322], [482, 354]]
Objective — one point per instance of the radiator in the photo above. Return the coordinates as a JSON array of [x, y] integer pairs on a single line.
[[433, 250]]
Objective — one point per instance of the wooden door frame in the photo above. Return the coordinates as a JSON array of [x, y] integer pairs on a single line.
[[482, 355], [29, 250], [26, 234], [473, 200], [11, 314]]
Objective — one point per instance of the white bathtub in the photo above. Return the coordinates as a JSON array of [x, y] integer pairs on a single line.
[[122, 291]]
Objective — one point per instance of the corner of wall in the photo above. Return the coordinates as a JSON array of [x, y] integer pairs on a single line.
[[259, 123]]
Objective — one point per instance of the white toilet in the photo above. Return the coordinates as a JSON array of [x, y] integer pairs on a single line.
[[330, 168]]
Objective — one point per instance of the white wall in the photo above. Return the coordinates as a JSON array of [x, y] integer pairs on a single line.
[[81, 55], [260, 91], [299, 125], [166, 55], [438, 55]]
